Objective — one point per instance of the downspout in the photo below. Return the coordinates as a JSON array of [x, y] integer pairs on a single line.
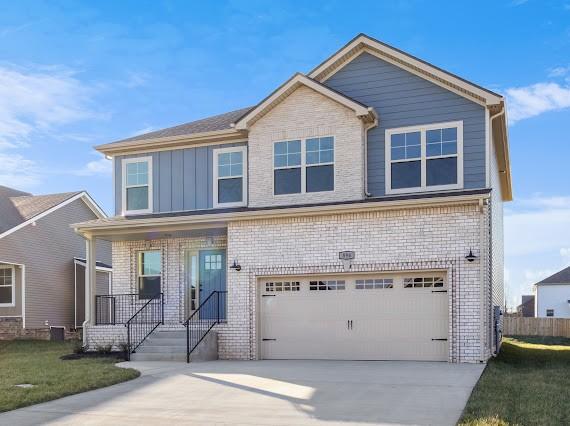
[[366, 129]]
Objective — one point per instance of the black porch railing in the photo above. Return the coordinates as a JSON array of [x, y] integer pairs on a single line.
[[117, 308], [144, 322], [211, 311]]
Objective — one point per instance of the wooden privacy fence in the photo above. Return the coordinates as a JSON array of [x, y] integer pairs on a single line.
[[521, 326]]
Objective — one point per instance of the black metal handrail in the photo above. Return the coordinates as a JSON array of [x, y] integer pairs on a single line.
[[144, 322], [211, 311], [111, 309]]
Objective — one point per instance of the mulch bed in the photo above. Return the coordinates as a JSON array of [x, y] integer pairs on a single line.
[[114, 355]]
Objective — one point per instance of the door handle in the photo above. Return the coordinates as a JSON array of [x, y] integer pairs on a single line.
[[349, 325]]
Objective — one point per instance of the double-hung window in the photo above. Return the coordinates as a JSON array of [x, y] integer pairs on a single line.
[[149, 275], [7, 284], [137, 185], [424, 158], [303, 166], [230, 177]]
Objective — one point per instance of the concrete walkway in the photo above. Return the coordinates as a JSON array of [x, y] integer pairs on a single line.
[[269, 393]]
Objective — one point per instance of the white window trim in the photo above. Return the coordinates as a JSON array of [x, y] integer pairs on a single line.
[[126, 161], [216, 152], [423, 129], [10, 305], [303, 166], [140, 269]]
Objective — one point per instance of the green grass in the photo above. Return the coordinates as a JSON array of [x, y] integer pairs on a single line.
[[38, 363], [527, 384]]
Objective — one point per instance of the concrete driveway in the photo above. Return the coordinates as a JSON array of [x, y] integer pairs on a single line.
[[269, 393]]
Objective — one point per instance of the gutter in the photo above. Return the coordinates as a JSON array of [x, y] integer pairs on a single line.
[[366, 129]]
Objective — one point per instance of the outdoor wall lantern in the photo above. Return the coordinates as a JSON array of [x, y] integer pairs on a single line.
[[470, 257], [236, 266]]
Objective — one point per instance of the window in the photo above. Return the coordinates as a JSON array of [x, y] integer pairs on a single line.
[[213, 262], [424, 158], [320, 164], [282, 286], [423, 282], [327, 285], [374, 284], [230, 181], [137, 185], [149, 276], [302, 166], [287, 167], [550, 312], [7, 284]]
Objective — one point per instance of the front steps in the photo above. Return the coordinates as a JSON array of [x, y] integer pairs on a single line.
[[170, 345]]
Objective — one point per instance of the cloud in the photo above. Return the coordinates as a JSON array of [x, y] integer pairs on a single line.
[[97, 167], [142, 131], [36, 100], [136, 79], [17, 171], [559, 72], [536, 99]]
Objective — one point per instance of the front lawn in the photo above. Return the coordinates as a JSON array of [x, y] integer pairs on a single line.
[[527, 384], [38, 363]]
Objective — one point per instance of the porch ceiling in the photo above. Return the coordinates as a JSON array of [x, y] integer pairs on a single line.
[[158, 233]]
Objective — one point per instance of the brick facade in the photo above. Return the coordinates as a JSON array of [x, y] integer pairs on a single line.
[[386, 240], [304, 114]]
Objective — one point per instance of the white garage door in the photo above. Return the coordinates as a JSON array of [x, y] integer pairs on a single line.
[[382, 317]]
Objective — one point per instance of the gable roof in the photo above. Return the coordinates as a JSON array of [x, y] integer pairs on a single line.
[[362, 111], [18, 209], [561, 277], [364, 43]]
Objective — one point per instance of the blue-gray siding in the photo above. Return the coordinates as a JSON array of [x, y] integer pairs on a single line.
[[404, 99], [182, 178]]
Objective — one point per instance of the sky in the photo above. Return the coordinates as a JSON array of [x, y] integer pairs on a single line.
[[78, 74]]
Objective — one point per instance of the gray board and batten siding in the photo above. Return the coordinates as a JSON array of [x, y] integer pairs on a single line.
[[403, 99], [182, 178]]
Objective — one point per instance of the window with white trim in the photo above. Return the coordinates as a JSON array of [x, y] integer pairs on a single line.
[[271, 287], [423, 282], [7, 285], [377, 283], [230, 177], [149, 274], [137, 185], [424, 158], [327, 285], [303, 166]]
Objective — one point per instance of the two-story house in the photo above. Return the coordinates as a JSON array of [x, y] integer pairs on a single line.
[[354, 213]]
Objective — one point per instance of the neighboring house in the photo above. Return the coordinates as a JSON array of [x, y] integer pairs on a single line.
[[38, 266], [526, 308], [553, 295], [354, 213]]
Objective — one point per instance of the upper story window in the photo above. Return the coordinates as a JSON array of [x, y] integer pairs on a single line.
[[230, 177], [7, 284], [302, 166], [137, 185], [149, 275], [424, 158]]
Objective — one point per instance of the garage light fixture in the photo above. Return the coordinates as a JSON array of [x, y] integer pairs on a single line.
[[236, 266], [470, 257]]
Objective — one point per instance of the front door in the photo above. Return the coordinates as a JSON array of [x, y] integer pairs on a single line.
[[212, 277]]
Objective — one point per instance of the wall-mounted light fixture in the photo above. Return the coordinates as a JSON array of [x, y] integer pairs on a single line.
[[236, 266], [470, 257]]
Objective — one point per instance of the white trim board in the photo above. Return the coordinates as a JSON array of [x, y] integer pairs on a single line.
[[83, 195]]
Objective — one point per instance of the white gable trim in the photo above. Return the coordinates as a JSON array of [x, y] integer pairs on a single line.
[[407, 62], [83, 195], [288, 87]]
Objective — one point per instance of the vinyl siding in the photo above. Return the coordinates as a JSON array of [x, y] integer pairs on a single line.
[[182, 178], [47, 250], [404, 99]]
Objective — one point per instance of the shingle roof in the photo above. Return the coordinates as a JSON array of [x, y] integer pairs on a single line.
[[208, 124], [17, 207], [561, 277]]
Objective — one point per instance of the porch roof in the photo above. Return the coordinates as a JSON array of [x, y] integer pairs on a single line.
[[215, 221]]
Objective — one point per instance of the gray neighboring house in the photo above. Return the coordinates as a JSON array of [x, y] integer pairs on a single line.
[[526, 308], [41, 262]]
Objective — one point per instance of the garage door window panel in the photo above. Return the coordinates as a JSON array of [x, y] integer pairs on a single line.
[[423, 282], [327, 285], [374, 284], [285, 286]]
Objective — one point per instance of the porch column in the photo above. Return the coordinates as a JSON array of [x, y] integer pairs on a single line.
[[90, 279]]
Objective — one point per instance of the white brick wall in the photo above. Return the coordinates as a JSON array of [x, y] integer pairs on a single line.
[[402, 239], [306, 113]]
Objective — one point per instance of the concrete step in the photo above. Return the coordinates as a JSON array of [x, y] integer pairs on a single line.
[[161, 349], [151, 341], [169, 334], [162, 346], [143, 356]]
